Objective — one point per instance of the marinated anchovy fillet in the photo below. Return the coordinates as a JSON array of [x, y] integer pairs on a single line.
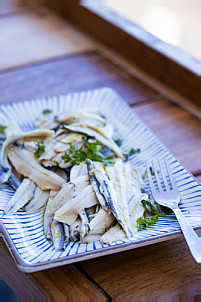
[[24, 193], [58, 235], [26, 164], [69, 212], [39, 200], [111, 201], [96, 184], [114, 234], [26, 137], [77, 173], [68, 191], [101, 222], [92, 133]]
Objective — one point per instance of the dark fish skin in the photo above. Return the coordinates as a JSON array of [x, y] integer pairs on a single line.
[[13, 182], [105, 191], [4, 174], [96, 185], [58, 235]]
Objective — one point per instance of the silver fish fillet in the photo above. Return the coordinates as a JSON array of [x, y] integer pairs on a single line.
[[24, 193], [96, 184], [70, 210], [25, 136], [102, 221], [26, 164], [58, 235], [92, 133], [110, 196], [39, 200], [84, 230], [68, 191]]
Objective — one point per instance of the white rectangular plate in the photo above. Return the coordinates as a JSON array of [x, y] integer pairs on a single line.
[[23, 233]]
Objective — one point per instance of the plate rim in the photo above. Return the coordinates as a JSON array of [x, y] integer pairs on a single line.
[[33, 267]]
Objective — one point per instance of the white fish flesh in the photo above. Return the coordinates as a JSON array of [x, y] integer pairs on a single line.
[[84, 229], [76, 115], [47, 217], [92, 133], [114, 234], [39, 200], [24, 193], [74, 230], [107, 191], [102, 221], [90, 238], [68, 191], [58, 235], [96, 184], [26, 164], [69, 212], [26, 137]]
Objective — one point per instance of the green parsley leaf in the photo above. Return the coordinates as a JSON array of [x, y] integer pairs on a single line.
[[91, 151], [118, 142], [151, 171], [47, 111], [2, 128], [152, 208], [144, 223], [134, 151], [40, 150]]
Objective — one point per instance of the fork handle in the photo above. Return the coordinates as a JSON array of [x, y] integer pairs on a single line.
[[192, 239]]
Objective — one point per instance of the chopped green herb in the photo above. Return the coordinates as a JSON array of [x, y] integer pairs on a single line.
[[134, 151], [47, 111], [151, 171], [40, 150], [91, 151], [144, 223], [118, 142], [152, 208], [57, 164], [2, 128]]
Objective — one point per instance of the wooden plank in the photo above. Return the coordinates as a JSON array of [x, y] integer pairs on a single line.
[[59, 284], [178, 130], [162, 272], [170, 65], [35, 35], [22, 286], [85, 71]]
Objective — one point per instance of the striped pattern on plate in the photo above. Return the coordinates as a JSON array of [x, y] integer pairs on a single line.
[[24, 232]]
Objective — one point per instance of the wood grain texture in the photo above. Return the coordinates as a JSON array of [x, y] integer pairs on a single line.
[[178, 130], [66, 283], [168, 64], [85, 71], [22, 286], [59, 284], [34, 35], [160, 272], [157, 272]]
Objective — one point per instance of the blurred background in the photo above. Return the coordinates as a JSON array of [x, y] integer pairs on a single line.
[[31, 33], [177, 22]]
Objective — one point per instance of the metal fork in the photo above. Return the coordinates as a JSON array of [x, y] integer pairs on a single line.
[[165, 192]]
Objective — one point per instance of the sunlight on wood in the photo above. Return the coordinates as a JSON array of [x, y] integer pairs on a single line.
[[176, 22], [33, 36]]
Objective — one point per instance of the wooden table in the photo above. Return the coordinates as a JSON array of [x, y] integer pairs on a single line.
[[160, 272], [163, 270]]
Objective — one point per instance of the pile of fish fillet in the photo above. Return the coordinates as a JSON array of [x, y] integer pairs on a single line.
[[82, 202]]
